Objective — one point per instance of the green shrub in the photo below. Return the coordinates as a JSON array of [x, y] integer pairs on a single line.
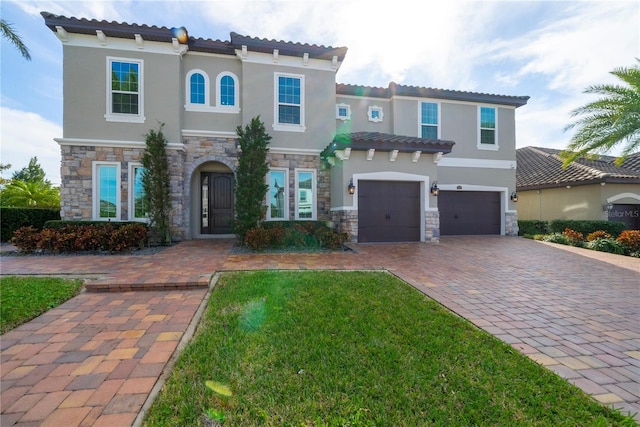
[[531, 227], [607, 245], [556, 238], [297, 234], [587, 226], [12, 219]]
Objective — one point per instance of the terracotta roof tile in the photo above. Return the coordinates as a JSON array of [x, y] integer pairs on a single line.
[[542, 168]]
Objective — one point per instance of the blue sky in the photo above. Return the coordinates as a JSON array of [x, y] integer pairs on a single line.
[[548, 50]]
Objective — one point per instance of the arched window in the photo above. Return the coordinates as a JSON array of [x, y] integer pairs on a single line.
[[227, 91], [197, 88]]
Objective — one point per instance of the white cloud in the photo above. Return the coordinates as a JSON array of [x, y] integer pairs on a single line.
[[25, 135]]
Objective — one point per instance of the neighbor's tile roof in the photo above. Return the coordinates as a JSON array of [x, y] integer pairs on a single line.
[[395, 89], [542, 168], [164, 34], [363, 141]]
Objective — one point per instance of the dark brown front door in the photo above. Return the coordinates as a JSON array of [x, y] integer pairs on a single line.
[[469, 212], [388, 211], [216, 207]]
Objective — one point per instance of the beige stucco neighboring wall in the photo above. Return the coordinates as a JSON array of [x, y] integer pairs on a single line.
[[575, 202], [85, 94]]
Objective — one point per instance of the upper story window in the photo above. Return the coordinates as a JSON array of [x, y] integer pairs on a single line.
[[375, 113], [125, 90], [429, 120], [197, 89], [106, 190], [488, 121], [289, 102], [343, 112], [227, 90]]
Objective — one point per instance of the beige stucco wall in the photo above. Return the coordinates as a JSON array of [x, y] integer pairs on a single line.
[[576, 202], [360, 115], [85, 78]]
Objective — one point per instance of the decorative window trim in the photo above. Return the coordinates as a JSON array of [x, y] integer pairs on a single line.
[[95, 190], [286, 194], [131, 205], [438, 119], [125, 118], [235, 108], [480, 145], [287, 127], [189, 106], [348, 111], [370, 114], [314, 198]]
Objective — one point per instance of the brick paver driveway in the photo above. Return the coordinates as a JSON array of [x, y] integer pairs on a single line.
[[95, 359]]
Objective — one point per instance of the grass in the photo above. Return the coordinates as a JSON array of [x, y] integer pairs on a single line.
[[355, 349], [24, 298]]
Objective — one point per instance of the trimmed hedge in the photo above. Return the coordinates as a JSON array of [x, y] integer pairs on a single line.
[[531, 227], [297, 234], [12, 219], [587, 227]]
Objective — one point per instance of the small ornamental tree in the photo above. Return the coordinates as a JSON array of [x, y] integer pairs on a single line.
[[156, 184], [250, 186]]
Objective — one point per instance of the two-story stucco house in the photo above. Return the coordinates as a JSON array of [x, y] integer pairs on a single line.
[[400, 163]]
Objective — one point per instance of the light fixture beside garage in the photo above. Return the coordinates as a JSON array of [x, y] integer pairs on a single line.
[[351, 188], [434, 188], [514, 197]]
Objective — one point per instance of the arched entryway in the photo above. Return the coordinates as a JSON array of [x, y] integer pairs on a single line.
[[212, 200]]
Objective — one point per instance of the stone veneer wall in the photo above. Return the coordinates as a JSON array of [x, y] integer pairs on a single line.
[[323, 176], [511, 224], [432, 226], [346, 222]]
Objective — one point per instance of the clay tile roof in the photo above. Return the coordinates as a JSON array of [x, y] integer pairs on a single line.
[[363, 141], [164, 34], [395, 89], [542, 168], [287, 48]]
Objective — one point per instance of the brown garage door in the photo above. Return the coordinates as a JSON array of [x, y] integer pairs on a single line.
[[469, 212], [388, 211]]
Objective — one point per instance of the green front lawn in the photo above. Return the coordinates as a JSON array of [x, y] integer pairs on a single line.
[[355, 349], [24, 298]]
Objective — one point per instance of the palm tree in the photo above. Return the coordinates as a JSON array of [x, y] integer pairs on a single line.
[[36, 194], [8, 33], [609, 121]]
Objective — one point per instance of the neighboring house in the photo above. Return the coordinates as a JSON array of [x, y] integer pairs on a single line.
[[368, 159], [586, 189]]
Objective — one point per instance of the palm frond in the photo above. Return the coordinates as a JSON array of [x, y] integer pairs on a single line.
[[10, 34]]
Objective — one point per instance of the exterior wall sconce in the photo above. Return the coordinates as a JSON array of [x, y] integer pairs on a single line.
[[351, 188], [608, 207], [514, 197], [434, 188]]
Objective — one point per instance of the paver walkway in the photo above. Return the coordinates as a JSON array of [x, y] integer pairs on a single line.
[[95, 359]]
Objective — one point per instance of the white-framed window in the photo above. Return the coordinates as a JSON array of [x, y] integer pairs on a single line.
[[197, 90], [305, 194], [228, 90], [289, 102], [278, 194], [125, 94], [429, 120], [375, 114], [137, 204], [343, 111], [106, 190], [488, 128]]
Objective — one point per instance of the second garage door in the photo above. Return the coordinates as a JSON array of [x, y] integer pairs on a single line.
[[388, 211], [469, 212]]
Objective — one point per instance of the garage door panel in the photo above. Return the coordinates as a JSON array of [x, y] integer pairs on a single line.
[[469, 212], [388, 211]]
